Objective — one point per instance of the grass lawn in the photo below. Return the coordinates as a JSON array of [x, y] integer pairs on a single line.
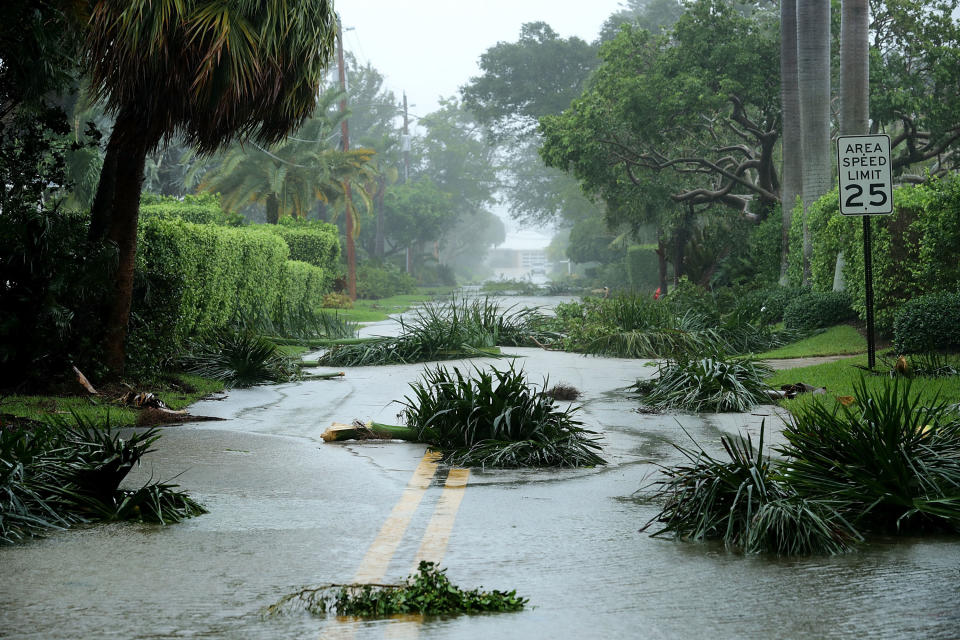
[[377, 310], [840, 340], [177, 391], [839, 377]]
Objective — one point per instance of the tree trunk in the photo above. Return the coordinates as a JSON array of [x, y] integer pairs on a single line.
[[114, 217], [661, 263], [854, 68], [273, 209], [792, 143], [378, 203], [813, 72]]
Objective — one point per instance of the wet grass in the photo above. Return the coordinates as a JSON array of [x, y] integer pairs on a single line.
[[841, 377], [177, 390], [840, 340], [382, 309]]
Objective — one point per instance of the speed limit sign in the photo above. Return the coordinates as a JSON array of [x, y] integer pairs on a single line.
[[865, 185]]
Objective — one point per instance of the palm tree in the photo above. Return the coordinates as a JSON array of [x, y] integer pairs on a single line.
[[854, 68], [792, 140], [292, 175], [206, 70], [813, 73]]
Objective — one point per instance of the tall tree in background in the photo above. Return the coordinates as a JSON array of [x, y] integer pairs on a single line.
[[792, 143], [854, 68], [813, 73], [208, 71]]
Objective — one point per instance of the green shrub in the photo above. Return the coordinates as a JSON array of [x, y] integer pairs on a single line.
[[818, 309], [317, 243], [200, 209], [766, 306], [914, 249], [928, 323], [238, 358], [376, 282]]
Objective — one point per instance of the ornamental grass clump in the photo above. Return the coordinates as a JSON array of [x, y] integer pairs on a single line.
[[495, 418], [444, 331], [890, 459], [744, 502], [59, 473], [884, 464], [713, 383], [238, 358], [428, 592]]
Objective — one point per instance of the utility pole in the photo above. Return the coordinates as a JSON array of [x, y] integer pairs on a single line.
[[405, 147], [345, 134]]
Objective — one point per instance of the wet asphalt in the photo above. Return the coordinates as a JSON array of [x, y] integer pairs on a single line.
[[287, 510]]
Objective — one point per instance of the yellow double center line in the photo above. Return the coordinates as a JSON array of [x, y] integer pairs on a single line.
[[374, 565]]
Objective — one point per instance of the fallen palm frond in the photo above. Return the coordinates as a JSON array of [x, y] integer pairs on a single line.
[[427, 592], [59, 473], [715, 383], [496, 418], [357, 430]]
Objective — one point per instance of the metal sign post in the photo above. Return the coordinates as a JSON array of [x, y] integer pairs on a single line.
[[866, 189]]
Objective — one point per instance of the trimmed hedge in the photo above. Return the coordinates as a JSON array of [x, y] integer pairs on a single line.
[[200, 209], [818, 309], [193, 278], [766, 306], [374, 283], [317, 243], [914, 249], [928, 323]]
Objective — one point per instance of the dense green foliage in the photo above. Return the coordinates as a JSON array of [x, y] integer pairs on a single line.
[[767, 306], [199, 278], [816, 309], [928, 323], [200, 209], [375, 282], [914, 249], [642, 267], [496, 418], [59, 473], [427, 592], [711, 383]]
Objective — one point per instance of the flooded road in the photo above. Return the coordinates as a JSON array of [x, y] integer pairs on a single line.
[[287, 510]]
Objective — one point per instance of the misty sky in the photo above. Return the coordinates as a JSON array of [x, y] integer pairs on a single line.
[[430, 48]]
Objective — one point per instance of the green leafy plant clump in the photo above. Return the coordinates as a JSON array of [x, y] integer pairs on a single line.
[[713, 383], [928, 323], [495, 418], [818, 309], [887, 463], [427, 592], [58, 473], [444, 331], [238, 358]]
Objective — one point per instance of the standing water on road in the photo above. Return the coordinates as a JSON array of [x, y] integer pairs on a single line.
[[287, 510]]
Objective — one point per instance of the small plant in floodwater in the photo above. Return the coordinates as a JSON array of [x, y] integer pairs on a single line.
[[427, 592], [59, 473], [496, 418], [714, 383]]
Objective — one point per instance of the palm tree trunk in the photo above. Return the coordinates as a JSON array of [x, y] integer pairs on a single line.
[[273, 209], [813, 73], [792, 141], [114, 217], [854, 68]]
